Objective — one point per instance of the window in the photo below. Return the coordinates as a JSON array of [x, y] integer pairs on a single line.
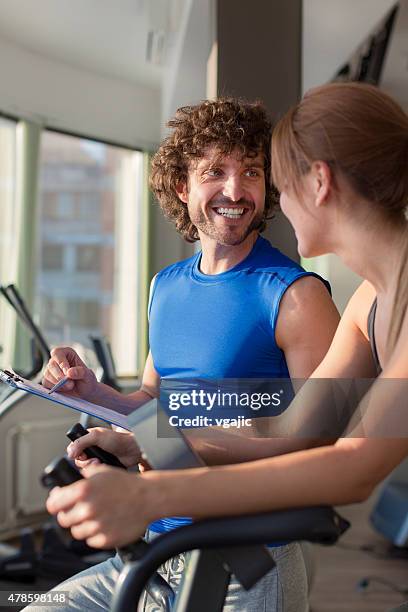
[[85, 314], [88, 258], [65, 205], [52, 256], [88, 205], [7, 233], [50, 206], [89, 244]]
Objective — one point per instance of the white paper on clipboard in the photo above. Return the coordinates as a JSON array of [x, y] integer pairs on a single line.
[[106, 414]]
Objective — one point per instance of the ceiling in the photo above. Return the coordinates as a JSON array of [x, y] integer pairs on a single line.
[[107, 37], [110, 37]]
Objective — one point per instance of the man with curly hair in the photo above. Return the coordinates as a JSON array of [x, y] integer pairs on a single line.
[[237, 309], [224, 127]]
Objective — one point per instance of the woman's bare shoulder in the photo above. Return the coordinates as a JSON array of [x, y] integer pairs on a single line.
[[359, 306]]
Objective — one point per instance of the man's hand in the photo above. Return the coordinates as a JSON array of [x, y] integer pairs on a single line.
[[66, 362], [106, 509], [122, 444]]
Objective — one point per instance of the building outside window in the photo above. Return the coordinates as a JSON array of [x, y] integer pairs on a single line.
[[88, 226]]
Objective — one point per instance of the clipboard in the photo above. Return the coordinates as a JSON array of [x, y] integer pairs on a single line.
[[105, 414]]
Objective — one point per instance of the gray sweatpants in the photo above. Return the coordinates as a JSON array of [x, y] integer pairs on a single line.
[[283, 589]]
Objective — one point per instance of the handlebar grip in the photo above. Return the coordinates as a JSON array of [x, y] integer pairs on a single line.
[[59, 473], [94, 452]]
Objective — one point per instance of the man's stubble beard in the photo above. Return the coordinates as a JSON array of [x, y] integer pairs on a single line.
[[228, 237]]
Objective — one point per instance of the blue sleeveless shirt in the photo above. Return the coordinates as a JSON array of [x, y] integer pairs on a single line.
[[220, 326]]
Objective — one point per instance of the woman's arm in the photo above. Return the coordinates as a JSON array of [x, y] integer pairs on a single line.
[[345, 472]]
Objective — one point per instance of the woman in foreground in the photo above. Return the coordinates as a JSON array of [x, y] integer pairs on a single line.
[[339, 160]]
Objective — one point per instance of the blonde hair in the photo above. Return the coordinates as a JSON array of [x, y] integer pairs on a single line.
[[362, 134], [400, 300], [358, 130]]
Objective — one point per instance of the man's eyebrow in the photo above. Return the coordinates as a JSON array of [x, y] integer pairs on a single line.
[[254, 164], [208, 163], [219, 163]]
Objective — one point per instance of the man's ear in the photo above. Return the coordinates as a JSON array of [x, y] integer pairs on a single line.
[[181, 190], [322, 182]]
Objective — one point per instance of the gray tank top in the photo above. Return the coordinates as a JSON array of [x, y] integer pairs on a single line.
[[371, 335]]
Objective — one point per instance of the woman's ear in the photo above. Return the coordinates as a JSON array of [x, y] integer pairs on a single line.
[[322, 180], [181, 190]]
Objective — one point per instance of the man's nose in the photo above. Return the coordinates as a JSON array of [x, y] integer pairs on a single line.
[[233, 188]]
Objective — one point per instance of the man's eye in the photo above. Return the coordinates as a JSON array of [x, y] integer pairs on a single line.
[[213, 172], [252, 173]]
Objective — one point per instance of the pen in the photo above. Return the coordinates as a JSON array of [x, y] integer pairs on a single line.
[[58, 385]]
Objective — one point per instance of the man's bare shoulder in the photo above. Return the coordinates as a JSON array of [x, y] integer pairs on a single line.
[[306, 307], [305, 290]]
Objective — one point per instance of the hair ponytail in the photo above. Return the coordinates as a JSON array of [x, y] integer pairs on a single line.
[[400, 300]]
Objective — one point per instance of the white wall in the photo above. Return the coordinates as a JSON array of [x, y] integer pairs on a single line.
[[332, 29], [184, 83], [185, 77], [56, 94], [394, 74]]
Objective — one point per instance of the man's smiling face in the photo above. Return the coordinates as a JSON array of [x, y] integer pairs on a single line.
[[225, 195]]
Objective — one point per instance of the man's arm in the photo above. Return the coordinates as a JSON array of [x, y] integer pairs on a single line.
[[82, 381], [307, 322], [150, 386]]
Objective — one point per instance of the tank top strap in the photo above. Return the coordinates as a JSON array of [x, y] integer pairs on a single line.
[[371, 334]]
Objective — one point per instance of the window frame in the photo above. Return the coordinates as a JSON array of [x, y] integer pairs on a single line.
[[144, 250]]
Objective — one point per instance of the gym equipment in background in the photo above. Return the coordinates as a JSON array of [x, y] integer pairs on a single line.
[[390, 515], [103, 352], [40, 348], [31, 433]]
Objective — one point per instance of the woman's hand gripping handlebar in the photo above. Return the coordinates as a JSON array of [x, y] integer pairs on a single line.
[[60, 473]]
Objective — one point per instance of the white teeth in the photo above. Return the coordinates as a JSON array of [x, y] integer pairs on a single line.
[[231, 213]]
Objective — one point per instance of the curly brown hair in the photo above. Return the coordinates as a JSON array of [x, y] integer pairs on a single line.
[[229, 124]]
